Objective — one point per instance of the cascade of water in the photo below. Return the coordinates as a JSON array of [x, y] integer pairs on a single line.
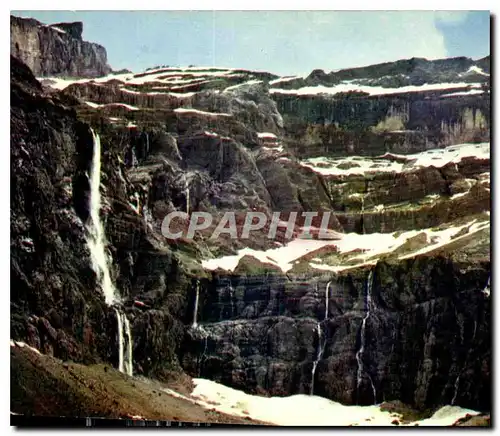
[[319, 354], [120, 340], [363, 214], [359, 354], [327, 298], [124, 343], [96, 242], [321, 337], [195, 313], [128, 345]]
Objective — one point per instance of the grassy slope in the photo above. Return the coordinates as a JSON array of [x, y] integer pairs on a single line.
[[44, 386]]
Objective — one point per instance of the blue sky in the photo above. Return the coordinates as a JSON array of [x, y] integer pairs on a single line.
[[283, 42]]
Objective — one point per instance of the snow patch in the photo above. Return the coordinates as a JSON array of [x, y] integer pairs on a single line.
[[284, 79], [250, 82], [305, 410], [96, 105], [196, 111], [23, 345], [376, 244], [282, 257], [266, 135], [372, 90], [475, 69], [361, 164], [471, 92]]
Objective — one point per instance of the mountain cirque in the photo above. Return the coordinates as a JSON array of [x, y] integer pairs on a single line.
[[398, 152]]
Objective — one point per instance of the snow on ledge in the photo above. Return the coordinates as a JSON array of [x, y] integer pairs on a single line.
[[126, 106], [371, 90], [475, 69], [376, 244], [371, 244], [250, 82], [457, 94], [282, 257], [284, 79], [361, 165], [263, 135], [182, 110], [23, 345]]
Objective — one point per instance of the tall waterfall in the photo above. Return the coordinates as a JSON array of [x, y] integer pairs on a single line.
[[96, 242], [359, 354], [195, 312], [321, 338]]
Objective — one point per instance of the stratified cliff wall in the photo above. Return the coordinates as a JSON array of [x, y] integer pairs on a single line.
[[56, 50]]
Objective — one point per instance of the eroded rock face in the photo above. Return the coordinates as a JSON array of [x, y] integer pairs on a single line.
[[428, 326], [53, 298], [56, 303], [56, 50]]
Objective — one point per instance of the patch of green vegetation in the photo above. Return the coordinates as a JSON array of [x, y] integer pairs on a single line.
[[407, 413], [251, 266], [347, 165], [412, 244]]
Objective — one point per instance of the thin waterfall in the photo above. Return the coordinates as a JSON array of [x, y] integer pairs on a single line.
[[321, 338], [319, 355], [120, 341], [327, 298], [231, 297], [457, 380], [101, 260], [359, 354], [363, 214], [195, 312], [186, 192], [129, 344]]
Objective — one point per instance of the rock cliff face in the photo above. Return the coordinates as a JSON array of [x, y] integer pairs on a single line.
[[397, 307], [427, 333], [56, 50]]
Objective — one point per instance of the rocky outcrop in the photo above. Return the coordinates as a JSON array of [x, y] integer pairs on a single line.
[[56, 50], [372, 125]]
